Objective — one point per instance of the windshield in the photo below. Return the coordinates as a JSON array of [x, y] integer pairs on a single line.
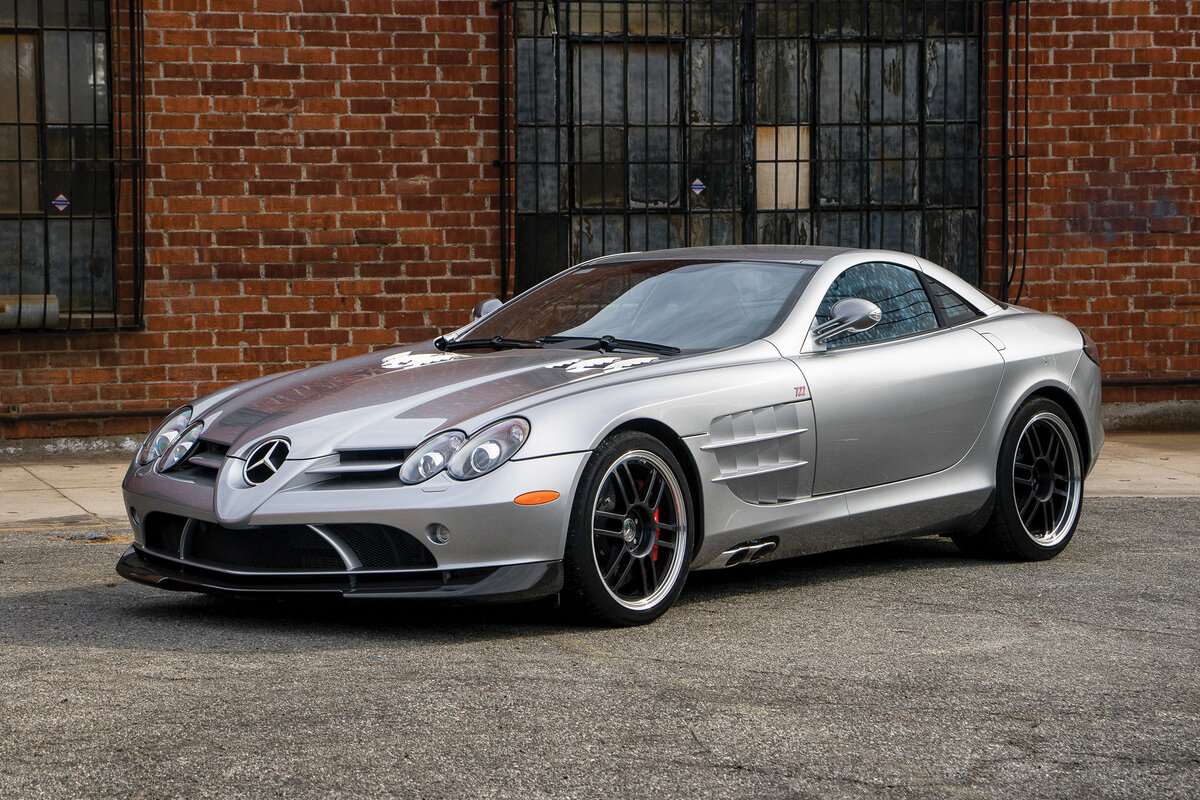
[[685, 304]]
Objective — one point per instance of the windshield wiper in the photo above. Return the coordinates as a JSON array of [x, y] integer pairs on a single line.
[[610, 343], [496, 343]]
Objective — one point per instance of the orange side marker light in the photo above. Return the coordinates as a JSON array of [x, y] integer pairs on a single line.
[[535, 498]]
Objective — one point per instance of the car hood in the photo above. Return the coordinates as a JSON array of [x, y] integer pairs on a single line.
[[396, 398]]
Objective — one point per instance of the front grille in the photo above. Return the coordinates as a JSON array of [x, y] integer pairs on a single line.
[[381, 547], [163, 532], [278, 547], [283, 548]]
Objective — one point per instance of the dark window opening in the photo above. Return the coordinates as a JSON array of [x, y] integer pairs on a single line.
[[70, 176], [644, 125]]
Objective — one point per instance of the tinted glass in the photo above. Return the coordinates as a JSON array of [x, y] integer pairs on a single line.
[[954, 308], [898, 293], [692, 306]]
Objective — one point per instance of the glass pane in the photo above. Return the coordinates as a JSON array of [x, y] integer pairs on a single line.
[[8, 11], [841, 83], [596, 17], [782, 81], [537, 81], [541, 171], [715, 229], [542, 247], [76, 77], [81, 263], [895, 230], [841, 18], [893, 83], [27, 11], [840, 165], [892, 164], [654, 167], [840, 229], [18, 97], [783, 228], [54, 13], [601, 173], [654, 84], [599, 84], [711, 88], [781, 19], [655, 18], [952, 240], [716, 18], [85, 184], [598, 235], [951, 82], [22, 255], [78, 14], [714, 162]]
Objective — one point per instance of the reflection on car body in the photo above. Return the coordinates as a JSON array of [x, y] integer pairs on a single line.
[[628, 421]]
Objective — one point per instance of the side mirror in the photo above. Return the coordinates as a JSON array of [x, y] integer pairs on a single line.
[[851, 315], [486, 307]]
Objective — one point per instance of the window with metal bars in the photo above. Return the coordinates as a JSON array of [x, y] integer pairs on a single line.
[[69, 171], [640, 125]]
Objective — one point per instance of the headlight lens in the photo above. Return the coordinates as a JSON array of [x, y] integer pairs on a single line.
[[182, 446], [164, 436], [488, 449], [430, 458]]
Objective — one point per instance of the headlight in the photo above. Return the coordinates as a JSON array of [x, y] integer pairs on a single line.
[[430, 458], [488, 449], [164, 436], [182, 446]]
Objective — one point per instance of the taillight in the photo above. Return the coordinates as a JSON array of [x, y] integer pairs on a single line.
[[1089, 348]]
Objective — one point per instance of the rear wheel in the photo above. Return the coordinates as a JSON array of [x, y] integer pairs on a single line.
[[629, 543], [1039, 487]]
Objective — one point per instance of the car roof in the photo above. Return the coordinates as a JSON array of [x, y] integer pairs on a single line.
[[782, 253]]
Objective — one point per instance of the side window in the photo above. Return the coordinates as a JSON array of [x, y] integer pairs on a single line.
[[954, 308], [898, 293]]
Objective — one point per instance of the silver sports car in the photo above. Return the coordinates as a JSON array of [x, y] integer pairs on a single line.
[[625, 422]]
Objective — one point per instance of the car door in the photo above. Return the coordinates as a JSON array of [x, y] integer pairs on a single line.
[[907, 397]]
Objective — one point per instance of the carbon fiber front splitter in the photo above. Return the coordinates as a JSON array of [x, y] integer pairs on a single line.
[[513, 582]]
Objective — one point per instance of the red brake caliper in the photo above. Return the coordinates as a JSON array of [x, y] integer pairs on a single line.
[[654, 549]]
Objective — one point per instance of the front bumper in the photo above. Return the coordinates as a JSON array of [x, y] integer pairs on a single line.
[[510, 583], [215, 534]]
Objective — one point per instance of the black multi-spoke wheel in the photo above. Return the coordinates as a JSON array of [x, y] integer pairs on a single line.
[[628, 549], [1039, 487]]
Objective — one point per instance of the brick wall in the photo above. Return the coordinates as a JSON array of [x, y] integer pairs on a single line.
[[320, 183], [1114, 192]]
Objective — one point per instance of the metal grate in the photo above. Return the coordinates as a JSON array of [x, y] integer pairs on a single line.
[[71, 170], [640, 125]]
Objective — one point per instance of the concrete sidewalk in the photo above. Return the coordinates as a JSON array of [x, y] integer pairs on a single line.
[[70, 489]]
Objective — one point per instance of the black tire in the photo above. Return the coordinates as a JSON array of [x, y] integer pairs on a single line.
[[632, 507], [1039, 488]]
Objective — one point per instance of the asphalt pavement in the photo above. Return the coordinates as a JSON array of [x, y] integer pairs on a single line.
[[893, 671]]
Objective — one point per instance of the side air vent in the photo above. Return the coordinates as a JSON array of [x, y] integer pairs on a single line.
[[763, 453]]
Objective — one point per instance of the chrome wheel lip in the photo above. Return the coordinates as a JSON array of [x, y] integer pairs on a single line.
[[670, 577], [1065, 457]]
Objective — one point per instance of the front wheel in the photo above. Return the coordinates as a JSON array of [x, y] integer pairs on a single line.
[[629, 543], [1039, 487]]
